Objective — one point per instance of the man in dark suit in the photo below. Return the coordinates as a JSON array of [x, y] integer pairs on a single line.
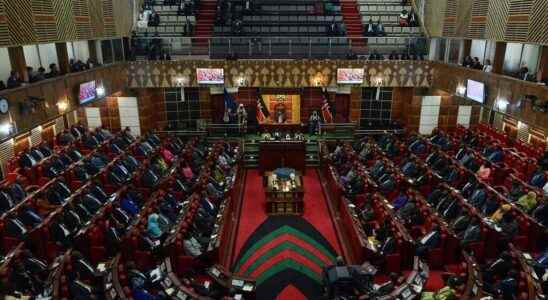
[[471, 234], [429, 241]]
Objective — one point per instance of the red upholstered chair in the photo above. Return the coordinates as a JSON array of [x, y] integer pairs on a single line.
[[183, 263], [436, 256], [143, 259], [478, 248], [97, 254], [393, 262]]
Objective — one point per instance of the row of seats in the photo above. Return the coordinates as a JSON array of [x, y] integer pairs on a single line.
[[291, 19], [383, 9], [427, 212], [62, 226], [384, 226]]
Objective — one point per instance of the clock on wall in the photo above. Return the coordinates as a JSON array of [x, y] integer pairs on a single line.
[[4, 106]]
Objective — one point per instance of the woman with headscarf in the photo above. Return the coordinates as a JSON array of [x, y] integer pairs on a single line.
[[153, 226], [497, 215], [528, 201]]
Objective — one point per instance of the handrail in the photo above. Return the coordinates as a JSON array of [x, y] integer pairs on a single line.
[[419, 9]]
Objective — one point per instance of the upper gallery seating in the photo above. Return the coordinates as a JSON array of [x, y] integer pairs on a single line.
[[397, 36], [279, 18], [160, 19], [163, 18]]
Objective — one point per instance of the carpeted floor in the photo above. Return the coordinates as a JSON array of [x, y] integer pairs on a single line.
[[285, 254]]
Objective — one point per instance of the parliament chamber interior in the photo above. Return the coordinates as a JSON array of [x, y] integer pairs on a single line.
[[284, 150]]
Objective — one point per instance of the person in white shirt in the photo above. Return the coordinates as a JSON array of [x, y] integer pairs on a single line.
[[545, 189], [488, 67]]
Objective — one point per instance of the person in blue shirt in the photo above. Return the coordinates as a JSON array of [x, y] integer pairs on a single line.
[[400, 200], [538, 179], [153, 226], [129, 206], [496, 155]]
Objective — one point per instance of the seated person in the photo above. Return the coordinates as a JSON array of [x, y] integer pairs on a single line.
[[516, 191], [538, 179], [400, 200], [490, 206], [410, 214], [484, 171], [541, 212], [448, 292], [528, 202], [429, 241], [418, 146], [509, 226], [153, 227], [494, 154], [410, 169], [6, 201], [471, 234], [478, 197], [26, 160]]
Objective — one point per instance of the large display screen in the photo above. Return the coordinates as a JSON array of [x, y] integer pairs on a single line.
[[210, 76], [475, 90], [87, 92], [350, 76]]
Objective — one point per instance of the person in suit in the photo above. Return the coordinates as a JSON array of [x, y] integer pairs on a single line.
[[541, 212], [429, 241], [471, 234]]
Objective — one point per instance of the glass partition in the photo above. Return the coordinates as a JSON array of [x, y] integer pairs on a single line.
[[281, 47]]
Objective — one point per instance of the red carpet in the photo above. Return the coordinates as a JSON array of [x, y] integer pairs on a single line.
[[285, 254], [315, 208], [253, 209]]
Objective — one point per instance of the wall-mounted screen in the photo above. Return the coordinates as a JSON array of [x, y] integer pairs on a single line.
[[87, 92], [475, 90], [210, 76], [350, 76]]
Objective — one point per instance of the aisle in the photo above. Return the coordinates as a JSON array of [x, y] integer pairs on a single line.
[[285, 254]]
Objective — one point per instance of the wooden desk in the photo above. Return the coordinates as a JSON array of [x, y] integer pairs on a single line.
[[284, 202], [276, 154]]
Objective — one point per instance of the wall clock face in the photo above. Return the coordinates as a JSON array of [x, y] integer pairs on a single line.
[[4, 106]]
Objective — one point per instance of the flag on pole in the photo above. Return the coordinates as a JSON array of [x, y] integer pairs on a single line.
[[327, 113], [230, 106], [262, 111]]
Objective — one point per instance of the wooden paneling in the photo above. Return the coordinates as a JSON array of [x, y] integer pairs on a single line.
[[66, 27], [500, 20], [497, 86], [20, 21], [25, 22], [4, 31], [44, 20], [59, 89], [96, 18]]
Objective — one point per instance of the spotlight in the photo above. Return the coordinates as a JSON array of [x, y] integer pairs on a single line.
[[63, 105], [502, 104], [6, 128], [100, 91], [461, 90]]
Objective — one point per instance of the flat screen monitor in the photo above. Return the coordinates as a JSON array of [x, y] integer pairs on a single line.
[[87, 92], [210, 76], [350, 76], [475, 91]]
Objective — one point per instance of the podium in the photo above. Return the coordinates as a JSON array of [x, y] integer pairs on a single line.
[[281, 201], [290, 154]]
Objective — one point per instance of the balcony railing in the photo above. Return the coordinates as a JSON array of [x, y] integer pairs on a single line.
[[280, 47]]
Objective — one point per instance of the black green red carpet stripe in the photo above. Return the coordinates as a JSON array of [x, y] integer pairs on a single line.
[[285, 254]]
